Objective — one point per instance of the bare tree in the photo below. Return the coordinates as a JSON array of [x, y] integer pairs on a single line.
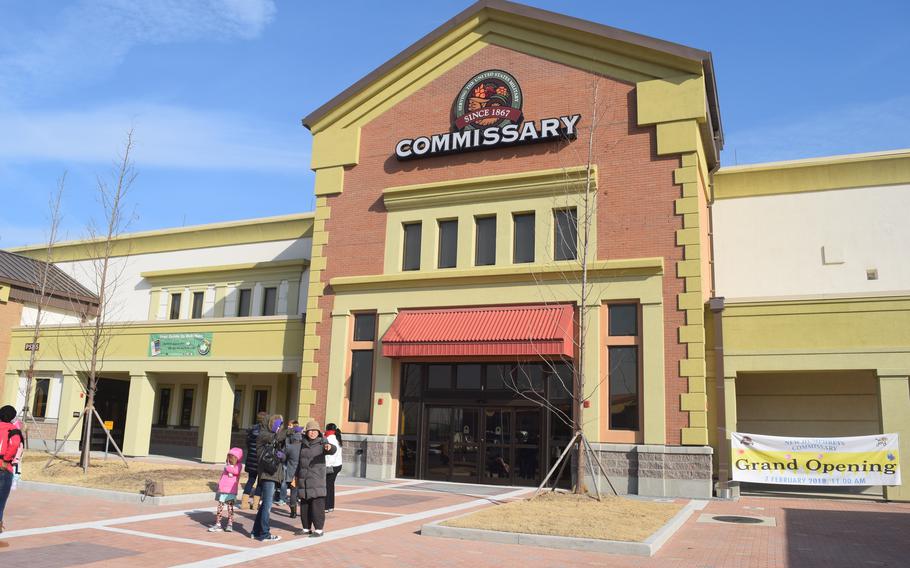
[[41, 285], [97, 333], [580, 388]]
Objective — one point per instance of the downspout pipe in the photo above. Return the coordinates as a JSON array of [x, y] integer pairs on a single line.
[[726, 488]]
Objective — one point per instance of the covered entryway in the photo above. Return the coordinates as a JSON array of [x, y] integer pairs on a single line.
[[483, 444], [111, 401], [809, 404]]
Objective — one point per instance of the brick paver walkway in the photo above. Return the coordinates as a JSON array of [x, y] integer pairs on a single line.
[[378, 526]]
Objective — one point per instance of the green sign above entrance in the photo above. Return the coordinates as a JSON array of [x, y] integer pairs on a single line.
[[180, 344]]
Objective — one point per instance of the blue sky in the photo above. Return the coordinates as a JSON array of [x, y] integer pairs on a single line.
[[216, 89]]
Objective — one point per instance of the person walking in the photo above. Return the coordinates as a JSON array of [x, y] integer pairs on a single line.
[[311, 480], [332, 464], [10, 440], [292, 451], [252, 465], [270, 450], [227, 489]]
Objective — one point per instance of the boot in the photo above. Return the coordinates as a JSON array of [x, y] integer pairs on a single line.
[[255, 504], [244, 501], [293, 511]]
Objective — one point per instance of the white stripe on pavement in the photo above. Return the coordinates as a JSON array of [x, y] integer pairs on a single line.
[[173, 538], [370, 512], [297, 544], [379, 487], [104, 523]]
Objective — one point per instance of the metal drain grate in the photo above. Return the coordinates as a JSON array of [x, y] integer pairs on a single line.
[[755, 521], [737, 519]]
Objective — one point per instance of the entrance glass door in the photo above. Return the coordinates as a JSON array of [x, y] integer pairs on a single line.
[[527, 446], [453, 445], [497, 437], [465, 451]]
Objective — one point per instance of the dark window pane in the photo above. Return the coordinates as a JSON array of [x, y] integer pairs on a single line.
[[523, 238], [448, 244], [529, 377], [499, 377], [527, 426], [410, 380], [186, 408], [407, 458], [412, 236], [260, 401], [243, 306], [439, 377], [485, 249], [42, 387], [365, 327], [175, 306], [361, 385], [164, 407], [198, 298], [624, 399], [408, 425], [565, 237], [498, 426], [270, 295], [235, 413], [623, 319], [561, 381], [467, 377]]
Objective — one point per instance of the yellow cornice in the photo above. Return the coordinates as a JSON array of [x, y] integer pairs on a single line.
[[815, 174], [264, 229], [211, 270], [495, 188], [481, 276]]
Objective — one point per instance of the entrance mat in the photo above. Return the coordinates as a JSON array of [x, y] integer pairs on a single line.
[[397, 500], [67, 554], [460, 488]]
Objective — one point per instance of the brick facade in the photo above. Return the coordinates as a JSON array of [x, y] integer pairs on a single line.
[[636, 190]]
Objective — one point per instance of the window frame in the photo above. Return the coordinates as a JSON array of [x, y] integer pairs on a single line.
[[477, 241], [167, 418], [249, 302], [608, 433], [405, 266], [556, 231], [47, 398], [174, 307], [439, 247], [198, 295], [360, 426], [265, 301], [515, 239]]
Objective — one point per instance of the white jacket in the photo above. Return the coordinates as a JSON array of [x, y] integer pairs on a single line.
[[334, 459]]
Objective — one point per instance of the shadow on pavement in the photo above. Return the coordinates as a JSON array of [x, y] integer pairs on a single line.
[[847, 538]]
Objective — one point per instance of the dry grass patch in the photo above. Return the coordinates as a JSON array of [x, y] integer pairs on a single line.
[[111, 474], [561, 514]]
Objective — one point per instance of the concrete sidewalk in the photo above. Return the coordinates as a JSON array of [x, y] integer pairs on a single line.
[[377, 525]]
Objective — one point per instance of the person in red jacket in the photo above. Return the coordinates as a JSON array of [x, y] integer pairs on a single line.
[[10, 440]]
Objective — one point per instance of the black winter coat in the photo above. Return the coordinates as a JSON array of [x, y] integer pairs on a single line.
[[252, 455], [311, 468], [266, 437]]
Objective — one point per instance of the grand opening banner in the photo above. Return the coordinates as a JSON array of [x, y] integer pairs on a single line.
[[854, 460]]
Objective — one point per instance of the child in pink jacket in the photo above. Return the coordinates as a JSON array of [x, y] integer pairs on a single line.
[[227, 489]]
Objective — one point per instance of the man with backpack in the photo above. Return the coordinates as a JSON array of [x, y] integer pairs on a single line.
[[270, 450], [10, 440], [252, 464]]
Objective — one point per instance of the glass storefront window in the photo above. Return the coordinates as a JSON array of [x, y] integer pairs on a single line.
[[623, 363], [439, 377], [467, 376]]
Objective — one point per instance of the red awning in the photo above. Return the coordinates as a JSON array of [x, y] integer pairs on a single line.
[[504, 330]]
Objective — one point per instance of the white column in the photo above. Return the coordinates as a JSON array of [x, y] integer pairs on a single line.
[[256, 304], [230, 301], [208, 302], [282, 307], [53, 397], [185, 300], [163, 296]]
